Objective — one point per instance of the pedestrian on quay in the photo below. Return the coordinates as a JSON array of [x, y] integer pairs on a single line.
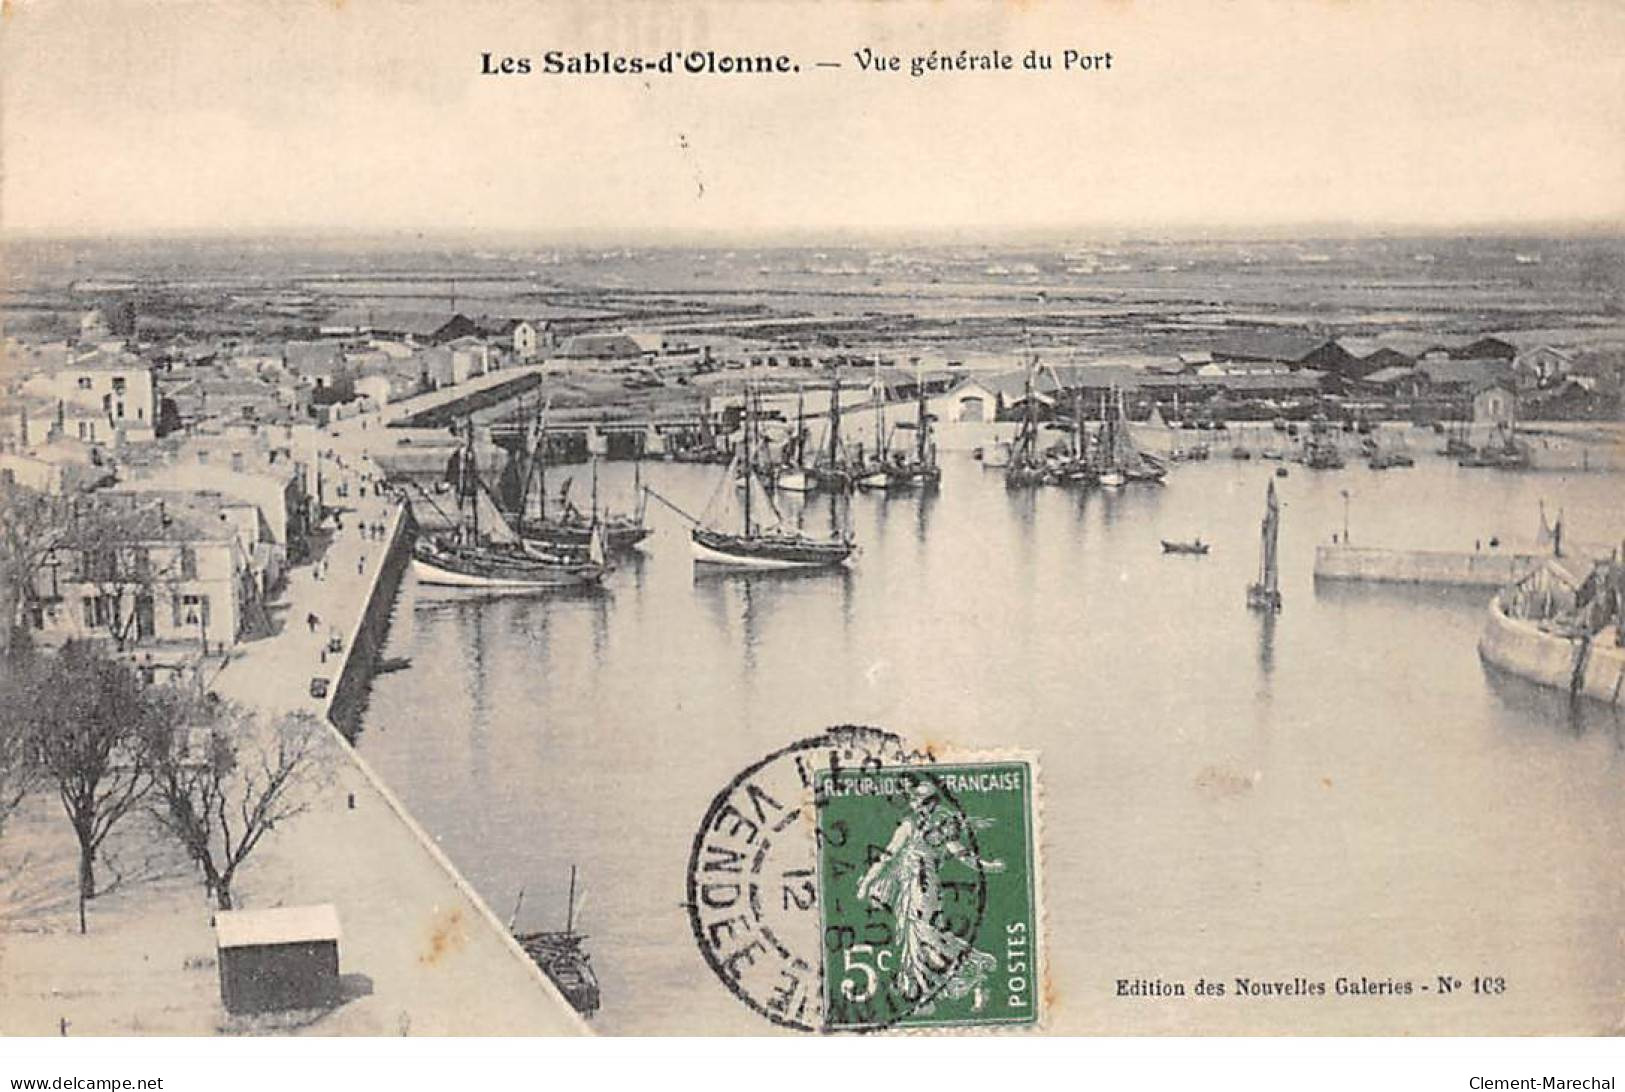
[[361, 565], [311, 620]]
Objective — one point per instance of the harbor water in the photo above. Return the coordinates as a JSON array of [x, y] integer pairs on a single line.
[[1340, 790]]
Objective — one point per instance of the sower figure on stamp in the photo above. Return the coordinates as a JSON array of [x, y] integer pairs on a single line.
[[907, 880]]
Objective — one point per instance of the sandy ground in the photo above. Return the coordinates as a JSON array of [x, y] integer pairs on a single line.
[[419, 953]]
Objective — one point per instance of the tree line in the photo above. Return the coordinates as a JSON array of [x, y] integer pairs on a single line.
[[81, 725]]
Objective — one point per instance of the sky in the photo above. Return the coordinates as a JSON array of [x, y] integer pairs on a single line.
[[358, 116]]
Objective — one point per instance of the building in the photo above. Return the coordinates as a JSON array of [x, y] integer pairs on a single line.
[[1399, 381], [278, 959], [605, 347], [1451, 377], [415, 327], [1301, 348], [270, 481], [1543, 366], [1385, 358], [532, 338], [102, 397], [1486, 348], [470, 357], [1495, 403], [144, 570]]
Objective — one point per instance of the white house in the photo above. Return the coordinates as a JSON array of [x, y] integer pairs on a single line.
[[102, 396]]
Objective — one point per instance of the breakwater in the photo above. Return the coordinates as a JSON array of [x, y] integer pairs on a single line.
[[1460, 568], [1590, 666]]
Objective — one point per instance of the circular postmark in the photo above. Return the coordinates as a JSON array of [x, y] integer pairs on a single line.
[[835, 884]]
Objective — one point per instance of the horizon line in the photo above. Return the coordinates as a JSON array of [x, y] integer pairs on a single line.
[[1596, 227]]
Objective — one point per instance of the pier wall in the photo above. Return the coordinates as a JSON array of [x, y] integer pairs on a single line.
[[1389, 566], [370, 629], [1593, 670]]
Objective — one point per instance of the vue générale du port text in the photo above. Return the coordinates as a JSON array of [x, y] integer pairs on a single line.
[[710, 62]]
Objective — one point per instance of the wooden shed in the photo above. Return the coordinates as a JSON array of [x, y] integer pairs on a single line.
[[272, 960]]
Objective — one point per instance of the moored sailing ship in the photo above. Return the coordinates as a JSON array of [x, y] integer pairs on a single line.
[[568, 528], [762, 540], [482, 551]]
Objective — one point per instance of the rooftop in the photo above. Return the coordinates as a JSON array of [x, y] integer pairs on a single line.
[[281, 925]]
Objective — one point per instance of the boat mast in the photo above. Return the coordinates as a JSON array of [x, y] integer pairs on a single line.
[[472, 481], [922, 424], [541, 463], [749, 431], [1267, 567], [835, 414], [880, 416], [801, 426], [570, 910]]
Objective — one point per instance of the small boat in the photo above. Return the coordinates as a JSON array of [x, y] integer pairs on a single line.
[[1195, 546], [385, 664], [562, 957], [1281, 472], [1240, 452], [1113, 479]]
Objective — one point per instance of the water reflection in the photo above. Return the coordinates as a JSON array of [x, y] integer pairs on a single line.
[[1267, 621]]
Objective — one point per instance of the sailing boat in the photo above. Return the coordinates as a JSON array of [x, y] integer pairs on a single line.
[[1502, 450], [922, 470], [1459, 443], [793, 477], [1121, 458], [483, 551], [572, 529], [1265, 595], [833, 473], [764, 540], [1025, 466], [876, 474]]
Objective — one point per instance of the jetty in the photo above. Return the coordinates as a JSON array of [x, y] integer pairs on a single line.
[[1457, 568]]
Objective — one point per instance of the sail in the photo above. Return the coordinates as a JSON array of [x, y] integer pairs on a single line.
[[1543, 538], [1270, 529], [493, 528], [1156, 419], [597, 549]]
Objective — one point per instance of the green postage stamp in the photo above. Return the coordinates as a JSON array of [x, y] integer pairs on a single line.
[[851, 882], [928, 896]]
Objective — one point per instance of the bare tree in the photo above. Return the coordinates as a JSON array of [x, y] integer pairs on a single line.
[[89, 715], [224, 780], [19, 768], [32, 525]]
